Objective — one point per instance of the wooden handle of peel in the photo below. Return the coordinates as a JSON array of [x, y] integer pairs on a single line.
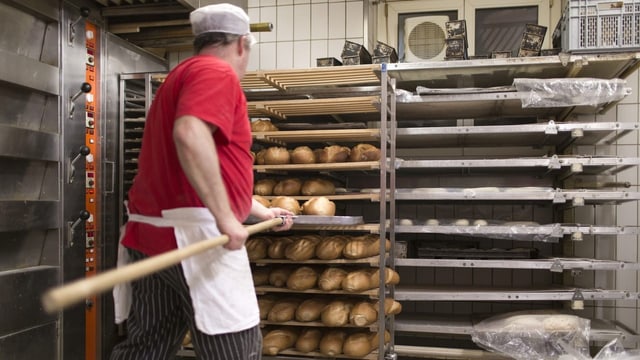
[[64, 296]]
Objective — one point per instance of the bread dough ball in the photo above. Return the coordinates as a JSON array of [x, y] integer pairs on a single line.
[[560, 323], [406, 222], [432, 222], [461, 222], [480, 222]]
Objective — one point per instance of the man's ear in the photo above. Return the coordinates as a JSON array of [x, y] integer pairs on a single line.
[[240, 45]]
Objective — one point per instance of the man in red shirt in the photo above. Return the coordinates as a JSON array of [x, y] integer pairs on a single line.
[[195, 181]]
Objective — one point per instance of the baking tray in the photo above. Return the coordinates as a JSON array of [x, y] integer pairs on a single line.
[[327, 220]]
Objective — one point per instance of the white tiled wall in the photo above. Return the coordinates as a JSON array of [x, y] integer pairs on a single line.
[[304, 30]]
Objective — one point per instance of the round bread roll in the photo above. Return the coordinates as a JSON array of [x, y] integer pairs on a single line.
[[331, 278], [357, 344], [261, 125], [262, 200], [309, 340], [265, 304], [364, 152], [332, 342], [264, 187], [374, 339], [480, 222], [260, 157], [302, 155], [391, 277], [319, 205], [287, 203], [276, 155], [277, 247], [461, 222], [260, 275], [279, 339], [302, 278], [278, 277], [317, 187], [310, 309], [288, 187], [301, 249], [331, 248], [432, 222], [257, 247], [391, 307], [283, 310], [363, 314], [336, 313], [332, 154], [358, 280]]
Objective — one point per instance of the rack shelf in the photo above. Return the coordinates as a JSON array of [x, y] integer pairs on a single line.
[[551, 264]]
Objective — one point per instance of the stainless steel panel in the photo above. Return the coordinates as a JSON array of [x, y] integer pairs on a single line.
[[28, 144], [554, 264], [29, 215], [38, 342], [23, 309], [28, 109], [46, 9], [20, 250], [28, 180], [23, 71]]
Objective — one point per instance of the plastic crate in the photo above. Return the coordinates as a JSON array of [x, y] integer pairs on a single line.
[[600, 26]]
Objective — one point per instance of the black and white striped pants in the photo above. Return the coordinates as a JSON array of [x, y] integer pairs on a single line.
[[161, 312]]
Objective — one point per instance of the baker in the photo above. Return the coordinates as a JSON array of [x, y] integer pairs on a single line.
[[194, 182]]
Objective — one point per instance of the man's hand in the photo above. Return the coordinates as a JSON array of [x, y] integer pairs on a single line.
[[287, 216], [236, 232]]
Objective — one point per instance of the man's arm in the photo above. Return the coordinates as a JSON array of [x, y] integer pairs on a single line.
[[199, 160]]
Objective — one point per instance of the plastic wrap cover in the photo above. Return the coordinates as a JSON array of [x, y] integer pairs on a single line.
[[530, 335], [545, 93], [614, 350]]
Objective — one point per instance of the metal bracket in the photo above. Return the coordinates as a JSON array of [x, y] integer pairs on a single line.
[[554, 163], [577, 302], [84, 13], [71, 169], [71, 226], [558, 197], [551, 128], [556, 266]]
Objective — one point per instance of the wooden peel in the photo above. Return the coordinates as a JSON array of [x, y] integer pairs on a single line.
[[61, 297]]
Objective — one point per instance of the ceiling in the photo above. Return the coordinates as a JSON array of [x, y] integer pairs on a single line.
[[159, 26]]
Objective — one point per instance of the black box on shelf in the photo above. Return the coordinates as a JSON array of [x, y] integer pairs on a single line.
[[328, 61], [500, 54], [355, 54], [383, 59], [456, 29], [531, 42], [550, 52], [456, 49], [382, 50], [528, 53], [535, 29]]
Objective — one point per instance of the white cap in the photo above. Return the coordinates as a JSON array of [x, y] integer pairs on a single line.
[[224, 18]]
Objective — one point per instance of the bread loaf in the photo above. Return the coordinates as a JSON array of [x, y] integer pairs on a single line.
[[363, 314], [288, 203], [260, 157], [257, 247], [331, 279], [336, 313], [391, 307], [391, 277], [374, 339], [317, 187], [364, 152], [262, 200], [277, 247], [357, 280], [283, 310], [276, 155], [301, 249], [302, 278], [332, 154], [331, 247], [288, 187], [262, 125], [357, 344], [310, 309], [302, 155], [265, 304], [364, 246], [332, 342], [278, 339], [260, 275], [309, 340], [264, 187], [319, 205], [278, 277]]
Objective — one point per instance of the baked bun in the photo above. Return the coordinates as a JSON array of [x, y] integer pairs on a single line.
[[276, 155], [302, 155], [316, 187], [319, 205], [288, 187], [364, 152], [287, 203], [264, 187], [262, 125], [332, 154], [262, 200]]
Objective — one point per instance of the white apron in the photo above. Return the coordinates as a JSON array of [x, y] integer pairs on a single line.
[[219, 280]]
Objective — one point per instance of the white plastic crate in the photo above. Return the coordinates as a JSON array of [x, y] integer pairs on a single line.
[[600, 26]]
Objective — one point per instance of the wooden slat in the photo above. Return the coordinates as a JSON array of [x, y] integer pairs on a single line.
[[346, 166], [263, 323], [370, 196], [373, 260], [373, 293], [305, 107]]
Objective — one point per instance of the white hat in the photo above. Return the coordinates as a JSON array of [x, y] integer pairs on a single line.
[[224, 18]]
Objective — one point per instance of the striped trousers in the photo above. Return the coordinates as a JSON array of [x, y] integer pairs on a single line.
[[162, 312]]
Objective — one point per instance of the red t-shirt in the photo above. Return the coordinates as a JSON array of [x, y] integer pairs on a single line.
[[207, 88]]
